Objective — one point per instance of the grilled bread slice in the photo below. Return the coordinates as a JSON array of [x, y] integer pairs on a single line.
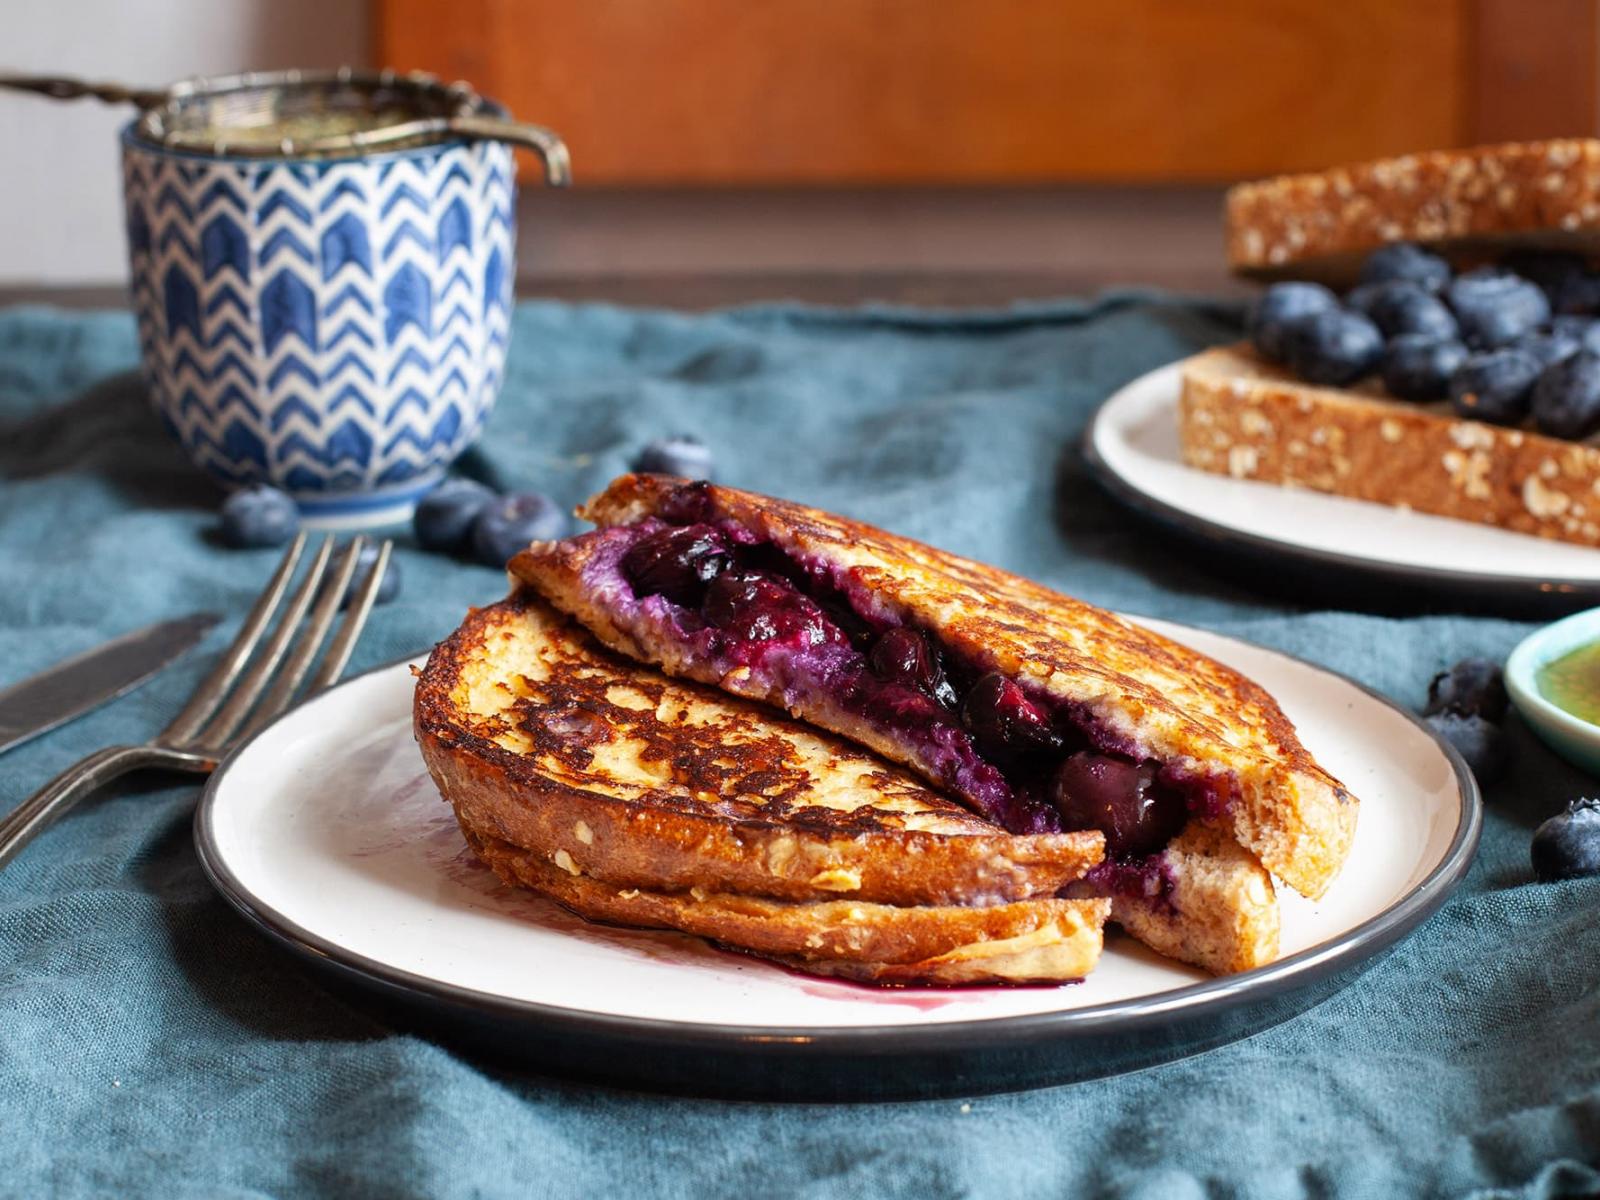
[[1241, 416], [1217, 738], [641, 800], [1027, 941], [1472, 204]]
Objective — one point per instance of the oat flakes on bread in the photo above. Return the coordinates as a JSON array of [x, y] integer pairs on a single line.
[[1241, 416], [641, 800], [1472, 204]]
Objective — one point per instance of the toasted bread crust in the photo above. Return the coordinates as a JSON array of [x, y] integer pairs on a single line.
[[1472, 202], [1162, 698], [542, 738], [1026, 942], [1242, 417]]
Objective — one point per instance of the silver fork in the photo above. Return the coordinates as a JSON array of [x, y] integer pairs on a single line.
[[227, 708]]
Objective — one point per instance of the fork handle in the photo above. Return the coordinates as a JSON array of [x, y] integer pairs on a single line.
[[28, 819]]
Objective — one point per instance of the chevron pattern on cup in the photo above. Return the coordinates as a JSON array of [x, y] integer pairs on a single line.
[[336, 328]]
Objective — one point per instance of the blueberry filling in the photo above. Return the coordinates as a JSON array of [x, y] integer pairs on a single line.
[[754, 608], [1007, 726], [1122, 798], [904, 656], [1020, 757], [677, 563]]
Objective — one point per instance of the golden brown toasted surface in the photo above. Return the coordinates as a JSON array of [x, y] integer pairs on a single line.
[[1475, 202], [1032, 941], [1242, 417], [1169, 702], [544, 739]]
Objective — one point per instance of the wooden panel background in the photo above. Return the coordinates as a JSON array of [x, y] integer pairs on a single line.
[[758, 92], [1534, 69]]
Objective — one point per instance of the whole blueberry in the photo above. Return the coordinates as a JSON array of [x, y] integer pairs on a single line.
[[506, 525], [1585, 329], [388, 586], [1567, 846], [904, 655], [683, 455], [677, 562], [1579, 294], [1334, 348], [1406, 261], [1400, 306], [1563, 277], [1494, 306], [1004, 722], [1281, 306], [754, 606], [1418, 367], [1480, 742], [1495, 386], [258, 516], [1471, 687], [1549, 346], [1119, 797], [444, 517], [1566, 402]]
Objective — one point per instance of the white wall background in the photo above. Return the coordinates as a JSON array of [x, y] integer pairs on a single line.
[[60, 190]]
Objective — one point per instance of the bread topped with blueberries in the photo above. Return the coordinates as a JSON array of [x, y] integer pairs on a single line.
[[1440, 382], [640, 800]]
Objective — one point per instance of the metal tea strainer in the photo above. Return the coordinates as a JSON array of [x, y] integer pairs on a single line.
[[311, 114]]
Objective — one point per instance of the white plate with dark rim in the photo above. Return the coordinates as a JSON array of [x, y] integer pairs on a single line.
[[326, 832], [1132, 447]]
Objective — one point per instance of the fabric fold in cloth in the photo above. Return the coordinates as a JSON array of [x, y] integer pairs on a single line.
[[151, 1044]]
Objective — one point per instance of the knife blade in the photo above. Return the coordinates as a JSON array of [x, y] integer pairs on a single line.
[[71, 688]]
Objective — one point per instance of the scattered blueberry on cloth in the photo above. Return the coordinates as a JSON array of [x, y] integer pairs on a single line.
[[151, 1044]]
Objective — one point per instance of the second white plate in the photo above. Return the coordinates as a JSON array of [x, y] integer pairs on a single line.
[[1132, 444]]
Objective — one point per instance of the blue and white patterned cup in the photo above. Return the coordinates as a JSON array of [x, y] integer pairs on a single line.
[[335, 327]]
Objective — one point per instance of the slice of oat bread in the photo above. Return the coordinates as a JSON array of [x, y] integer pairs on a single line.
[[1241, 416], [1473, 203]]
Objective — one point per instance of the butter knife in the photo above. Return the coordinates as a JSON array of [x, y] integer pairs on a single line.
[[71, 688]]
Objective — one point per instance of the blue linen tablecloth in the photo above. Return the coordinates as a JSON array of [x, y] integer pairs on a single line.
[[150, 1043]]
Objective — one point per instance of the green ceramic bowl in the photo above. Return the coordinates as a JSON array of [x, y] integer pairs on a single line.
[[1576, 740]]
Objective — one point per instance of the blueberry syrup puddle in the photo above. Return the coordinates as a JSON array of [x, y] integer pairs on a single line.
[[1025, 760], [925, 997]]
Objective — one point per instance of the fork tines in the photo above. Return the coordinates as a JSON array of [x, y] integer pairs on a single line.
[[229, 704]]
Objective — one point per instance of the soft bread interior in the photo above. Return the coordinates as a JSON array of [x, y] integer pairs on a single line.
[[1213, 904]]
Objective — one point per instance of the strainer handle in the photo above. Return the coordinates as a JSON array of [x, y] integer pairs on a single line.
[[543, 142], [62, 88], [550, 148]]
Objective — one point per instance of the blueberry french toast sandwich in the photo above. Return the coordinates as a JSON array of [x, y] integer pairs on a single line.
[[1431, 340], [1043, 715], [640, 800]]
